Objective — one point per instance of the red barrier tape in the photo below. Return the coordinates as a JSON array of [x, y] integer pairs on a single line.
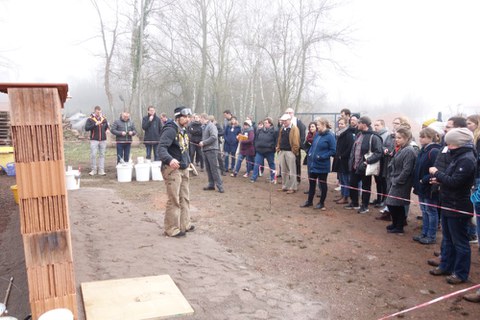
[[447, 296]]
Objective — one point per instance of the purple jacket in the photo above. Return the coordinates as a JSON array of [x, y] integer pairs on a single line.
[[246, 147]]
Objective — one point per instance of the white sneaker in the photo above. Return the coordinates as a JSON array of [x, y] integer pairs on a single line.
[[93, 172], [101, 173]]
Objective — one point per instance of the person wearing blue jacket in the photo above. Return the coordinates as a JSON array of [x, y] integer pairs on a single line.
[[318, 164], [427, 193], [230, 143]]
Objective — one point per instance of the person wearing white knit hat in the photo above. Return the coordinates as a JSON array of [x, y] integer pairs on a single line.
[[456, 182]]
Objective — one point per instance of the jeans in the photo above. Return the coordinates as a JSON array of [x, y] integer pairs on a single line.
[[366, 188], [260, 159], [154, 147], [429, 216], [230, 155], [344, 183], [123, 151], [456, 254], [96, 146], [250, 160]]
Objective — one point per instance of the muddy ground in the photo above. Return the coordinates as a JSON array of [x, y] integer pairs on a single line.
[[253, 255]]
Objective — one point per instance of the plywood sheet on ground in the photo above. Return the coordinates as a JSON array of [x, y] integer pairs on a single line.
[[143, 298]]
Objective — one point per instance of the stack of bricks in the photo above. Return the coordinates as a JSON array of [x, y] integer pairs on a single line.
[[37, 136]]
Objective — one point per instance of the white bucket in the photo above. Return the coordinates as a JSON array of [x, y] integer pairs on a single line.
[[72, 179], [57, 314], [156, 172], [124, 172], [142, 171]]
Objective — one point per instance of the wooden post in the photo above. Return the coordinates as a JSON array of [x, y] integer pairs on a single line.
[[37, 136]]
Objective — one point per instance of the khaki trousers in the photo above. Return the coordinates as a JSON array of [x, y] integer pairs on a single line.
[[177, 213], [288, 165]]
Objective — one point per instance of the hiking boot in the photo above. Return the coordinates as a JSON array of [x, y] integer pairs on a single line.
[[208, 188], [472, 297], [438, 272], [390, 227], [363, 209], [453, 279]]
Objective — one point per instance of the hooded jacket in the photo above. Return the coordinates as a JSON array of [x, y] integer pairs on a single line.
[[456, 182], [421, 177], [319, 154], [174, 144]]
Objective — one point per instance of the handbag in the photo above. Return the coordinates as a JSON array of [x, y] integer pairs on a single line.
[[372, 169]]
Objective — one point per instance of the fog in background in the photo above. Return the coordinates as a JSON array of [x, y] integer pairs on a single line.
[[400, 57]]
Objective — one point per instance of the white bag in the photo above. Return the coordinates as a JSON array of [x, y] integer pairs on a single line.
[[373, 169]]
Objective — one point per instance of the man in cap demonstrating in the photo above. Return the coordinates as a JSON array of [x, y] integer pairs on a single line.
[[456, 182], [288, 147], [173, 152]]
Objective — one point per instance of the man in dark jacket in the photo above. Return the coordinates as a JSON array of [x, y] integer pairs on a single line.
[[97, 124], [173, 151], [124, 130], [456, 183], [366, 140], [152, 125], [194, 130], [265, 143]]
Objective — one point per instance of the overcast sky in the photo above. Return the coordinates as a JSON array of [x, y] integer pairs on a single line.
[[405, 49]]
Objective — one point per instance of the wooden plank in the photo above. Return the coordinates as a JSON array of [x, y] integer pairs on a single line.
[[144, 298]]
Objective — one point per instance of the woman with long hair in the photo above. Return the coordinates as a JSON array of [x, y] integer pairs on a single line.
[[400, 179], [318, 163]]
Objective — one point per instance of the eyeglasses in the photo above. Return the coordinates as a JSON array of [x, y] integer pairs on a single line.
[[184, 112]]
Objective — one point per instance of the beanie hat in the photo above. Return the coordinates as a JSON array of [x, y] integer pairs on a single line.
[[459, 137], [248, 121], [365, 120]]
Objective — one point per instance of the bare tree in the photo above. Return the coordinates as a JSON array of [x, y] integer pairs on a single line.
[[109, 41]]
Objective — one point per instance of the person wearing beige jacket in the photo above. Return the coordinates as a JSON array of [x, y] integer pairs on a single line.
[[288, 147]]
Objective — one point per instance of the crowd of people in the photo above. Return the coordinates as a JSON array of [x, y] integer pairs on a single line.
[[440, 169]]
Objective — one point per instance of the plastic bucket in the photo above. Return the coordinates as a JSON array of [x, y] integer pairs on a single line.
[[14, 189], [72, 179], [142, 171], [156, 172], [10, 168], [124, 172], [57, 314]]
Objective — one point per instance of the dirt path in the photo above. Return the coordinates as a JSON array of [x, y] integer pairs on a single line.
[[254, 254]]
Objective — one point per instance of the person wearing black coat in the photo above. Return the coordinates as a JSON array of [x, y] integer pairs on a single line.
[[194, 130], [455, 187], [152, 125], [427, 193], [365, 140], [346, 137]]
